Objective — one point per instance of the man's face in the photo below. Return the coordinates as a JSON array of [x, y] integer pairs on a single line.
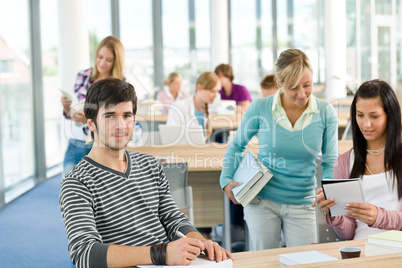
[[114, 126]]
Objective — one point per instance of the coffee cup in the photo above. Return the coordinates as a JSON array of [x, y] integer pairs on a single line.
[[350, 252]]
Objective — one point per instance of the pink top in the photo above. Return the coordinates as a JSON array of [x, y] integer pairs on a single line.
[[345, 226], [167, 99]]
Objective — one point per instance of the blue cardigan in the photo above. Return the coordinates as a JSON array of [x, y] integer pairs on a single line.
[[289, 155]]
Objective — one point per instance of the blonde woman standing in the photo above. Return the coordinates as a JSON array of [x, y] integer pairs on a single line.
[[292, 127], [109, 62], [194, 109], [167, 97]]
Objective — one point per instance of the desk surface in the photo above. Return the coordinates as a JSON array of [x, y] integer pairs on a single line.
[[206, 157], [270, 257], [218, 121], [204, 165], [223, 121]]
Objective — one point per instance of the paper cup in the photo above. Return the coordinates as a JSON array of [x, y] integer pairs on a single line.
[[350, 252]]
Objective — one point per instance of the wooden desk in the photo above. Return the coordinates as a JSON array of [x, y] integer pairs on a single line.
[[206, 157], [205, 165], [218, 121], [222, 121], [270, 257]]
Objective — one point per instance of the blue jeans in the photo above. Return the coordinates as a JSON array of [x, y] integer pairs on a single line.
[[266, 218], [76, 150]]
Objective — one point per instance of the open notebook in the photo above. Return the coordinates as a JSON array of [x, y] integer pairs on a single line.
[[181, 135], [199, 262]]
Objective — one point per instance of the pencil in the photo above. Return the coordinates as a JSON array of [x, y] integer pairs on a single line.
[[181, 235]]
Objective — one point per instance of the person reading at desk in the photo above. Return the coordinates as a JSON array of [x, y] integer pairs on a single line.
[[231, 91], [194, 109], [167, 97], [377, 159], [292, 127], [116, 205]]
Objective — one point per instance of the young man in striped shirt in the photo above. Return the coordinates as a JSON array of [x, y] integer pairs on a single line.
[[116, 205]]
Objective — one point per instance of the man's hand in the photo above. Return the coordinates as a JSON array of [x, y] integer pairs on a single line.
[[183, 251], [366, 213], [216, 252], [228, 191]]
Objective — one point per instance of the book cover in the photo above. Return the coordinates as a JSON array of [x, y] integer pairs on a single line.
[[374, 250], [391, 238], [304, 257], [253, 175], [343, 191]]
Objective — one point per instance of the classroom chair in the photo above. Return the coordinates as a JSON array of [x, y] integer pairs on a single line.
[[177, 175]]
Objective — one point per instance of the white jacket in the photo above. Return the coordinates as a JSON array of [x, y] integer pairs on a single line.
[[182, 112]]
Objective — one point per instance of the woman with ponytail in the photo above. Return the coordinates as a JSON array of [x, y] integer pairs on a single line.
[[193, 111]]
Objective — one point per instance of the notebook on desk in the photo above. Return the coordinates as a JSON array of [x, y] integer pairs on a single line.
[[181, 135]]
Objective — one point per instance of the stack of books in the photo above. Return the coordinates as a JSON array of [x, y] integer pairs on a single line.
[[253, 175], [384, 243]]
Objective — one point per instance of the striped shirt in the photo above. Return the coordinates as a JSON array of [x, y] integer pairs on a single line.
[[101, 206]]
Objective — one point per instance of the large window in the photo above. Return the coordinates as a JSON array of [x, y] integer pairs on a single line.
[[186, 39], [99, 23], [299, 24], [16, 94], [136, 36], [51, 83], [266, 24], [176, 40], [244, 53]]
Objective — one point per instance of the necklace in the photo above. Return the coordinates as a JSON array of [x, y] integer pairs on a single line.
[[376, 152], [372, 172]]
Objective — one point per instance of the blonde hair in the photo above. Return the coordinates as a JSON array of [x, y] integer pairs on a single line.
[[207, 80], [116, 47], [170, 78], [290, 67]]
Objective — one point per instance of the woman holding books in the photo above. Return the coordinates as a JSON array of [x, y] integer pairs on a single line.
[[377, 159], [292, 127]]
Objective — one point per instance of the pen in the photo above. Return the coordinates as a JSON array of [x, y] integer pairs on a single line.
[[181, 235], [312, 196]]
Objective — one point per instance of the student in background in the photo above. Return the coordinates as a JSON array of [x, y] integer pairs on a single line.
[[167, 97], [116, 205], [268, 85], [293, 128], [194, 110], [109, 62], [376, 158], [232, 91]]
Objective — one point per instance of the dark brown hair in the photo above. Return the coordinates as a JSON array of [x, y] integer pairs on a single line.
[[226, 71], [108, 92], [392, 156], [269, 82]]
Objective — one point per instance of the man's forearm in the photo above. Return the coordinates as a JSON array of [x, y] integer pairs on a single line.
[[196, 235], [123, 256]]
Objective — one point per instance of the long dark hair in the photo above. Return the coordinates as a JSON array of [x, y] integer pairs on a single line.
[[392, 157]]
